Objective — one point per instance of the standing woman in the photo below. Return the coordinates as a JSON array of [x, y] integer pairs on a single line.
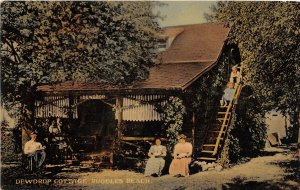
[[182, 158], [156, 162]]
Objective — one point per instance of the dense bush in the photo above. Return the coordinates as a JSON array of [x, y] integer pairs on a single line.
[[247, 133], [172, 111], [8, 144]]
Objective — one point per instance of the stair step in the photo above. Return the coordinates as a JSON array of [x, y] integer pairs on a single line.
[[207, 158], [211, 139], [224, 112], [222, 118], [207, 151], [216, 131], [214, 139], [209, 145]]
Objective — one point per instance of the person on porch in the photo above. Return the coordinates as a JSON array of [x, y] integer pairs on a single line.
[[182, 158], [35, 149], [156, 162]]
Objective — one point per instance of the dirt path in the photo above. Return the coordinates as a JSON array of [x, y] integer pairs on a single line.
[[259, 173], [270, 171]]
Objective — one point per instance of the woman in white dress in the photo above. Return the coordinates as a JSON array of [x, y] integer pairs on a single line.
[[156, 162]]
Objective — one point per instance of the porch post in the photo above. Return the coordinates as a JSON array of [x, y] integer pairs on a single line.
[[119, 115], [193, 128], [70, 111]]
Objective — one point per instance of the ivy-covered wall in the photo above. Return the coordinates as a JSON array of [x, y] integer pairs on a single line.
[[246, 135], [203, 96]]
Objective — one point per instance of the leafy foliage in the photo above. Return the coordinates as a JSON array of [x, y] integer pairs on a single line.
[[250, 127], [47, 42], [8, 144], [203, 97], [231, 150], [172, 112], [248, 131], [268, 35]]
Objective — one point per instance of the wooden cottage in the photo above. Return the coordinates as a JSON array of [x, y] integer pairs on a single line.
[[89, 114]]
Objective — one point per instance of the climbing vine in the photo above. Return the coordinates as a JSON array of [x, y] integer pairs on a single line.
[[203, 97], [246, 134], [231, 148], [172, 111]]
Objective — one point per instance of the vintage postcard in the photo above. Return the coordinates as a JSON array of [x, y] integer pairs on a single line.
[[170, 95]]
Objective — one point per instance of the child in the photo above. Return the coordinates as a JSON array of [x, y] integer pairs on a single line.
[[228, 92]]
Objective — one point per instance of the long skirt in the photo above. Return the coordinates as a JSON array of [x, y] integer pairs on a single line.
[[154, 166], [39, 158], [180, 166]]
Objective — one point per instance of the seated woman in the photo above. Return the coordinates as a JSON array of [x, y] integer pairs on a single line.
[[36, 150], [156, 162], [228, 93], [182, 158]]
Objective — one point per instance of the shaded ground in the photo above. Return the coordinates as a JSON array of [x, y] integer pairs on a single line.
[[275, 169]]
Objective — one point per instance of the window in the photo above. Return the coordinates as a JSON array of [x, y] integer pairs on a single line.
[[162, 44]]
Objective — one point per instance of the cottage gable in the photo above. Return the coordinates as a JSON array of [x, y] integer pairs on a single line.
[[196, 43], [194, 49]]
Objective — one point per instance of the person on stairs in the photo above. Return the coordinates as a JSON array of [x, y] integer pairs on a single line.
[[228, 93], [235, 76]]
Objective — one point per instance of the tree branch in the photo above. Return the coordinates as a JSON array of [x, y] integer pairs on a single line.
[[15, 54]]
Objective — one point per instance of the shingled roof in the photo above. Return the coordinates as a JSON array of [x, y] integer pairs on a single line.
[[194, 50], [197, 43]]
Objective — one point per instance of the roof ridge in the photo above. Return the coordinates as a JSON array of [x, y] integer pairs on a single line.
[[196, 24]]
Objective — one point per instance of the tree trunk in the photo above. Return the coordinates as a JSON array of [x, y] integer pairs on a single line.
[[27, 114], [26, 126]]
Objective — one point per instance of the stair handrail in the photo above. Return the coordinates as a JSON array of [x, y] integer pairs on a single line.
[[234, 95]]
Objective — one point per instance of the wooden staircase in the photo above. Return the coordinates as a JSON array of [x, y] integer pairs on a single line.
[[217, 132]]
